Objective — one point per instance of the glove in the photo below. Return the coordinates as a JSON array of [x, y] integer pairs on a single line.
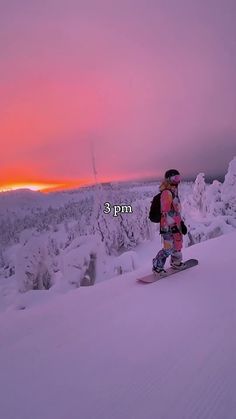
[[184, 229], [174, 229]]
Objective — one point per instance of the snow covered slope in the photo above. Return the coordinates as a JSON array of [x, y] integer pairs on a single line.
[[124, 350]]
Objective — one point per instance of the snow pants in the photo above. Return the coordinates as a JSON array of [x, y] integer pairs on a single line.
[[172, 246]]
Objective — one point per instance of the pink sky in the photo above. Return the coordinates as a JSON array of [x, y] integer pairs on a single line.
[[151, 83]]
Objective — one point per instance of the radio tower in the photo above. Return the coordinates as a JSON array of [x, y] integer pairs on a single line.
[[93, 162]]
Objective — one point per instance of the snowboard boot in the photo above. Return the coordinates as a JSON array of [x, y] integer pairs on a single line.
[[158, 270], [177, 266]]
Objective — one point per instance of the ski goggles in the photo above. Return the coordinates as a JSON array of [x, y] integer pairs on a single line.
[[175, 179]]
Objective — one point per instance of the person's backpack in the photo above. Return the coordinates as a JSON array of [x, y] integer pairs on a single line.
[[155, 209]]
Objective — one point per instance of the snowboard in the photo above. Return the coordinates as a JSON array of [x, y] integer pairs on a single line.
[[154, 276]]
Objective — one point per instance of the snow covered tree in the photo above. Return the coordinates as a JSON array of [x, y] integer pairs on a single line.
[[2, 261], [213, 198], [229, 189], [199, 194], [33, 268]]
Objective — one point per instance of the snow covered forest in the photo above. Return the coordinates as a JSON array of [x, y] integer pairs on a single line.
[[47, 240]]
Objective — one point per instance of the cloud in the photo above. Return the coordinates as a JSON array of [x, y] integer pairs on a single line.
[[153, 86]]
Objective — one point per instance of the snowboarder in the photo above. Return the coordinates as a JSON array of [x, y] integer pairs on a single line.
[[172, 226]]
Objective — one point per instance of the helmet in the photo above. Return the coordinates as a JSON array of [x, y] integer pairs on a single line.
[[171, 172], [173, 176]]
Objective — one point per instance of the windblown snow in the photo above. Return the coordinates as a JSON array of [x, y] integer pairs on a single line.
[[126, 350]]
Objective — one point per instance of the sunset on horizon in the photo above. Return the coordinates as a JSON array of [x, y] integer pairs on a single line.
[[67, 185]]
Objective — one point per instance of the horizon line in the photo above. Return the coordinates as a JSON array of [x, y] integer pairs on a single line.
[[46, 187]]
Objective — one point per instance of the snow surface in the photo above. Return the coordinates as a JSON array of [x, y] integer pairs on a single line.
[[125, 350]]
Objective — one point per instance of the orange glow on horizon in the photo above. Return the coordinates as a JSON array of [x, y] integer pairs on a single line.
[[57, 186], [41, 186], [31, 186]]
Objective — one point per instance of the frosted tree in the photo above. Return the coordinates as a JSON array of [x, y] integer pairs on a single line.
[[53, 252], [213, 198], [53, 248], [33, 270], [2, 261], [229, 189], [79, 259], [199, 194]]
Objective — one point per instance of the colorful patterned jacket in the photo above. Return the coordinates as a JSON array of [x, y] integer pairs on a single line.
[[170, 208]]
